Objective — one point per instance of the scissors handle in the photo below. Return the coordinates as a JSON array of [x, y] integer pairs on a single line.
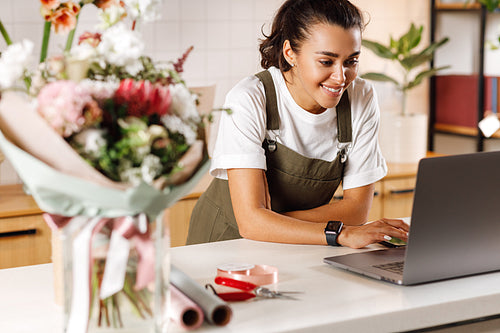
[[242, 285], [237, 296]]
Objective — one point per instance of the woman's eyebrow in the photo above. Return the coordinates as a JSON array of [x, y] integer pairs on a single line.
[[336, 55]]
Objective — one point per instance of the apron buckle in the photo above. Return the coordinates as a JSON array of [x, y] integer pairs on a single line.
[[271, 145]]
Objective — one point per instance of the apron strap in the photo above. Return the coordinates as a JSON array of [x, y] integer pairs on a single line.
[[344, 119], [343, 109], [273, 120]]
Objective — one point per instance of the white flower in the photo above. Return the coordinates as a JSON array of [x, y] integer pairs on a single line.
[[151, 168], [122, 47], [14, 62], [146, 10], [110, 16], [175, 124], [91, 141], [83, 52], [100, 90], [183, 103]]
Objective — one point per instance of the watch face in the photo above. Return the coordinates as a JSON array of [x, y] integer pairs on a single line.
[[333, 226]]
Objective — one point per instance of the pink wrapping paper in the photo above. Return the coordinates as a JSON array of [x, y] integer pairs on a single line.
[[184, 311]]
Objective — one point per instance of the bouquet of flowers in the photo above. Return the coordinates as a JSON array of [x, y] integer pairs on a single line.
[[105, 139]]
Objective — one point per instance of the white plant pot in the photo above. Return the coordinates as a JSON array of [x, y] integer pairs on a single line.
[[403, 139]]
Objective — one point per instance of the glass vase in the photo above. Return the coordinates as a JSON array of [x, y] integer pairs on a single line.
[[130, 309]]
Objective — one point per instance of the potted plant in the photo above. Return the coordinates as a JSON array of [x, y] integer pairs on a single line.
[[403, 135]]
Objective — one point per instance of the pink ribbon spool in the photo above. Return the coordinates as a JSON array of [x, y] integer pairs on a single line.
[[257, 274]]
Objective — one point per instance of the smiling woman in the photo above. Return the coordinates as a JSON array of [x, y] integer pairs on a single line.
[[298, 129]]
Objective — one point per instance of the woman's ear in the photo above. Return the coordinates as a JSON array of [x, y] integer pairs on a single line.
[[288, 53]]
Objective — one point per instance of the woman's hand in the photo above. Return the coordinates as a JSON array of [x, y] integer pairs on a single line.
[[360, 236]]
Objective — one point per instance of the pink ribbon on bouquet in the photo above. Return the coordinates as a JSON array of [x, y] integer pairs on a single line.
[[124, 231]]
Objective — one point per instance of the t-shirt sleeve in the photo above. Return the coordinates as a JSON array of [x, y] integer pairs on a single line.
[[242, 131], [366, 164]]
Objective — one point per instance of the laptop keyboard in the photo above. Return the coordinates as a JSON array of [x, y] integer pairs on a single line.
[[394, 267]]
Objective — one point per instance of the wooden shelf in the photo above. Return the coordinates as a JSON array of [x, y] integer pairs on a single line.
[[457, 6], [461, 130]]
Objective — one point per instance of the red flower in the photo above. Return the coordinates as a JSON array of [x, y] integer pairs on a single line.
[[143, 98]]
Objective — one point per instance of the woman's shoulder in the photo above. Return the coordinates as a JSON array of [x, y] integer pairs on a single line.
[[362, 87], [249, 88], [363, 98]]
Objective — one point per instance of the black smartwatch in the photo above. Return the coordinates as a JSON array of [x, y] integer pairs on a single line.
[[332, 231]]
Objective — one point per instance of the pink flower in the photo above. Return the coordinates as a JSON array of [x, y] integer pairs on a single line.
[[63, 18], [92, 39], [103, 4], [67, 107], [143, 98], [49, 4]]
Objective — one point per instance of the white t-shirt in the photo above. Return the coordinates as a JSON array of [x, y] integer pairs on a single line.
[[241, 133]]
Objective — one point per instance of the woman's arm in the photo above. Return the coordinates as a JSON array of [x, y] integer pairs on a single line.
[[250, 200], [353, 209]]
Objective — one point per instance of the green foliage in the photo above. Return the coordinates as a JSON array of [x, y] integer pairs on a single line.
[[402, 51], [490, 5]]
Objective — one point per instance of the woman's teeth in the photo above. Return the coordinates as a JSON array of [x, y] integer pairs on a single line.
[[332, 90]]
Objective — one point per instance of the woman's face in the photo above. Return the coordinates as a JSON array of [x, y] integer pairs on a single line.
[[324, 66]]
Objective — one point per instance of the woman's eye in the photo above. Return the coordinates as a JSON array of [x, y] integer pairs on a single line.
[[352, 62], [326, 62]]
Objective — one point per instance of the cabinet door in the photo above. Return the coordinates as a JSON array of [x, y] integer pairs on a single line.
[[398, 197], [376, 211], [24, 240], [179, 215]]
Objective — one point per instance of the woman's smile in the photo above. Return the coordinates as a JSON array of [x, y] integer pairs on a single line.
[[331, 91]]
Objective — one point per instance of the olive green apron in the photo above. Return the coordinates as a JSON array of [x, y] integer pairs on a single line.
[[295, 182]]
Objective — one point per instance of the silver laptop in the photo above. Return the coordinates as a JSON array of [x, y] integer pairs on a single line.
[[455, 225]]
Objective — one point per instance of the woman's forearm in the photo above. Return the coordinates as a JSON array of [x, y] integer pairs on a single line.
[[353, 209], [265, 225]]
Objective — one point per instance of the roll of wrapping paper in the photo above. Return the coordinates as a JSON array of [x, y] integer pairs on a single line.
[[184, 311], [216, 311]]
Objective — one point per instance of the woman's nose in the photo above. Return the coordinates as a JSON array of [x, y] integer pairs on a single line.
[[338, 74]]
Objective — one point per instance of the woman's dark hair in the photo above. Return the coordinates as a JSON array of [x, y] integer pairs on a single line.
[[293, 21]]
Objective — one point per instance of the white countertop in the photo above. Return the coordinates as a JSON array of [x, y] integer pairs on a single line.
[[332, 299]]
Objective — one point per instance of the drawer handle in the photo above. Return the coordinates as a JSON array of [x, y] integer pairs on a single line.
[[18, 233], [409, 190], [340, 197]]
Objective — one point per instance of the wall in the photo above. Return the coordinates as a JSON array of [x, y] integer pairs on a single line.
[[225, 36]]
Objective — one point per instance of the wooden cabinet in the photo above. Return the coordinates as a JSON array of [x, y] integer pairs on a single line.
[[393, 195], [25, 238], [179, 216]]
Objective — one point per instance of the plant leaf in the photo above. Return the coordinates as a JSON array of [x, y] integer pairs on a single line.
[[379, 49], [425, 55], [410, 40], [379, 77], [422, 75], [490, 5]]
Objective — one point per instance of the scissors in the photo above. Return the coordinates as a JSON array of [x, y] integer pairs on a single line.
[[249, 290]]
